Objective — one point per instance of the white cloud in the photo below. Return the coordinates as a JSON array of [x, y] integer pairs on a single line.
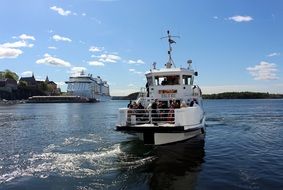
[[27, 74], [52, 47], [83, 14], [49, 60], [96, 63], [139, 61], [26, 37], [96, 49], [215, 17], [57, 38], [9, 52], [60, 11], [273, 54], [108, 58], [17, 44], [11, 49], [264, 71], [135, 72], [76, 71], [240, 18]]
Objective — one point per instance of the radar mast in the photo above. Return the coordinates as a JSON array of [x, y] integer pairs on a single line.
[[170, 41]]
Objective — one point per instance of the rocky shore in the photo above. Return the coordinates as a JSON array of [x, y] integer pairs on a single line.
[[11, 102]]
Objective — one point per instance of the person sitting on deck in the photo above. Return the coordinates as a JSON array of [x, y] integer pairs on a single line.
[[140, 106], [183, 104], [193, 102], [175, 104], [135, 105], [154, 115]]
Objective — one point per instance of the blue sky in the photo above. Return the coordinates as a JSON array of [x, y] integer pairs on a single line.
[[235, 45]]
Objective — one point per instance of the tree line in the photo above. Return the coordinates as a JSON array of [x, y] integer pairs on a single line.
[[224, 95]]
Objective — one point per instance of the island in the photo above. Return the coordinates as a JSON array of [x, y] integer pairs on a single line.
[[224, 95]]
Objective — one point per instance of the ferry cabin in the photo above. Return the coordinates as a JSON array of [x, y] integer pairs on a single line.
[[174, 83]]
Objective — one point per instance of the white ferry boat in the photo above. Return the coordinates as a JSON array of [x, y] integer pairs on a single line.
[[95, 89], [169, 109]]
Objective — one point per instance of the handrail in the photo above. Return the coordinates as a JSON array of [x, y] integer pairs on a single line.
[[150, 116]]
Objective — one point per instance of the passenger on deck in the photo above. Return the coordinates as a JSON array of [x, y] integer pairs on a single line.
[[164, 82], [183, 104], [154, 104], [130, 103], [175, 104], [147, 89], [154, 115], [140, 106], [135, 105], [193, 102]]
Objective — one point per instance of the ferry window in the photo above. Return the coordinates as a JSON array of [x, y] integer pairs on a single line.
[[167, 80], [187, 79], [158, 80], [173, 80]]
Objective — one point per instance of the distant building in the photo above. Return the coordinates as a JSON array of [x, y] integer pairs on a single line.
[[8, 85], [30, 81], [52, 87]]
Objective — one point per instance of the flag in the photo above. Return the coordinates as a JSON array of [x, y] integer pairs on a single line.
[[171, 41]]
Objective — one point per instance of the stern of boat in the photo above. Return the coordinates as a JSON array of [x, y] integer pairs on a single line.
[[162, 126]]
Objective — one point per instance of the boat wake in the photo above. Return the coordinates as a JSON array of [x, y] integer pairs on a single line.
[[72, 164]]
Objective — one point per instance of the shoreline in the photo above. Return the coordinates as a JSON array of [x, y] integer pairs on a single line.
[[12, 102]]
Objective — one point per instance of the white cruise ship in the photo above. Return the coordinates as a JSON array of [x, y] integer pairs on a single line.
[[95, 89]]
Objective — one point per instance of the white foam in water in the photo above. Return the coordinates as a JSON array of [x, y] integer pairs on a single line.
[[72, 140], [76, 165], [69, 164]]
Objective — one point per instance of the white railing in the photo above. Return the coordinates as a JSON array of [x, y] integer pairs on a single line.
[[176, 117], [150, 116]]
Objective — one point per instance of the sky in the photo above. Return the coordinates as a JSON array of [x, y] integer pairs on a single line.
[[235, 45]]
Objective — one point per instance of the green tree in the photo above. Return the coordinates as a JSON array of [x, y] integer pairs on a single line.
[[23, 84], [10, 75], [43, 86]]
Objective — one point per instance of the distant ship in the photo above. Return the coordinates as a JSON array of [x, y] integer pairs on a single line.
[[94, 89]]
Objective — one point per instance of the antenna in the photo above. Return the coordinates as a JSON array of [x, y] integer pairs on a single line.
[[170, 41], [154, 65], [189, 63]]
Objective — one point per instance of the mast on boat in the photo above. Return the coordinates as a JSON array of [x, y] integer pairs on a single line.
[[170, 42]]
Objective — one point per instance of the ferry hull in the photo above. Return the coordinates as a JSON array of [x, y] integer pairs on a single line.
[[155, 135]]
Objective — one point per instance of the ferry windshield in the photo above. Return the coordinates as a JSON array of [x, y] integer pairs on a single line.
[[187, 79], [167, 80]]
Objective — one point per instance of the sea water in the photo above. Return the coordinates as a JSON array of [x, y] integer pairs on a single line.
[[75, 146]]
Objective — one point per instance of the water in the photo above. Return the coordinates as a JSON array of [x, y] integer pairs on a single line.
[[75, 146]]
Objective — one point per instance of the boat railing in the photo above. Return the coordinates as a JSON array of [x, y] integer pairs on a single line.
[[150, 116]]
